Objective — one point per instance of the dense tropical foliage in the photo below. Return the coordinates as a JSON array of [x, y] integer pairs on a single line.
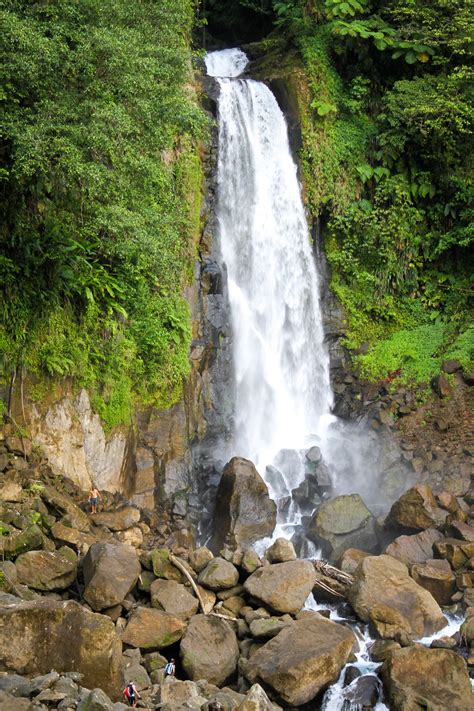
[[100, 179], [387, 161]]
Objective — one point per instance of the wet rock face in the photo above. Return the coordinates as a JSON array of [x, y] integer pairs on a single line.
[[341, 523], [244, 511], [209, 650], [435, 679], [110, 572], [302, 660], [69, 637], [284, 587], [384, 594]]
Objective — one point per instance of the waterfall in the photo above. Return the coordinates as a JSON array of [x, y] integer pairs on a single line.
[[283, 396]]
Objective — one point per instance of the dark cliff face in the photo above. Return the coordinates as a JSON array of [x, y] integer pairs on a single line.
[[181, 451]]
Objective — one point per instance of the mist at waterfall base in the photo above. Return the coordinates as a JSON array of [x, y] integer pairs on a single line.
[[283, 396]]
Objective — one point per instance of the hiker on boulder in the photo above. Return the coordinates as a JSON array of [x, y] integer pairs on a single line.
[[170, 668], [94, 496], [130, 694]]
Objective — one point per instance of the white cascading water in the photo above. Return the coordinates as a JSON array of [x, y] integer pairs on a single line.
[[283, 395]]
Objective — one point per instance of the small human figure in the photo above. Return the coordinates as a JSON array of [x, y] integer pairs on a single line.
[[130, 694], [170, 668], [94, 496]]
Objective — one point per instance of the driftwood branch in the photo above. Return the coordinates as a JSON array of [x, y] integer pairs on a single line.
[[189, 577], [328, 589], [322, 566]]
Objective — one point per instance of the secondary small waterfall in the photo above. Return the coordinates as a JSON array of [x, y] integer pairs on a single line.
[[283, 396]]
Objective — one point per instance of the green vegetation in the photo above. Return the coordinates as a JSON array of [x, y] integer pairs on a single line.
[[100, 196], [387, 162], [100, 180]]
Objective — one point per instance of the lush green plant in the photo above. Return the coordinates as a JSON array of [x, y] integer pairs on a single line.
[[387, 137], [100, 189], [414, 352]]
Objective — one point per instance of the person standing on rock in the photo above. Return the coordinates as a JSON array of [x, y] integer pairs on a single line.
[[94, 496], [131, 695]]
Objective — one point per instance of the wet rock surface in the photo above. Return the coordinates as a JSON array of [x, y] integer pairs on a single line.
[[209, 650], [385, 595], [302, 660], [341, 523]]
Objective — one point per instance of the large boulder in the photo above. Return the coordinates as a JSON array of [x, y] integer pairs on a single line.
[[31, 538], [244, 512], [78, 539], [8, 702], [174, 598], [46, 634], [302, 660], [219, 574], [110, 572], [283, 587], [420, 678], [152, 629], [417, 509], [455, 551], [45, 570], [281, 551], [63, 503], [118, 520], [437, 577], [417, 548], [384, 594], [256, 700], [209, 650], [341, 523]]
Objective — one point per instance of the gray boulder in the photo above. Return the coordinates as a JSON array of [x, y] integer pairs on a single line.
[[46, 634], [244, 512], [301, 661], [118, 520], [152, 629], [417, 509], [209, 650], [45, 570], [8, 702], [172, 597], [341, 523], [219, 574], [281, 551], [417, 548], [95, 700], [110, 572], [384, 594], [283, 587]]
